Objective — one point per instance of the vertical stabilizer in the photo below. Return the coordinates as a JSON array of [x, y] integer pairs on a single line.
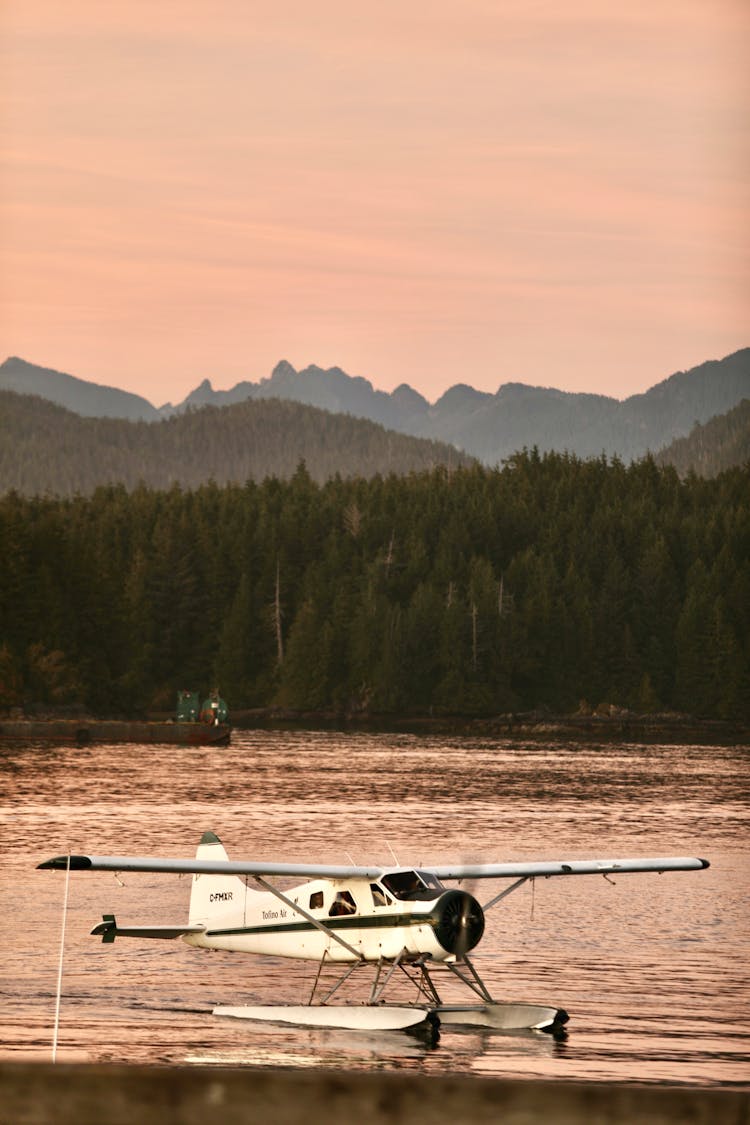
[[214, 897]]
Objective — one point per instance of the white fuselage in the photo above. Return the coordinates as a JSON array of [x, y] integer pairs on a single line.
[[374, 924]]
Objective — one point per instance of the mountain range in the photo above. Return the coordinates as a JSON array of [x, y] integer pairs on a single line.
[[487, 426]]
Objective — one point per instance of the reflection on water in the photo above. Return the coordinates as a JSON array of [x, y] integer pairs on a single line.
[[653, 969]]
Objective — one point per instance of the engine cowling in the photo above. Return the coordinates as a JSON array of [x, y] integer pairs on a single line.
[[458, 922]]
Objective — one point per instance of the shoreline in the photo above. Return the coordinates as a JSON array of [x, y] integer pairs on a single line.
[[626, 726], [621, 726]]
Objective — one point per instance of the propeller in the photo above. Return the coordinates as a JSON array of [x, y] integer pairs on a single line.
[[460, 922], [471, 913]]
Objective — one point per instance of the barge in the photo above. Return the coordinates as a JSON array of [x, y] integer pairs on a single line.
[[83, 732], [195, 724]]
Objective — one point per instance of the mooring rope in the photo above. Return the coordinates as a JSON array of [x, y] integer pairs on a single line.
[[60, 966]]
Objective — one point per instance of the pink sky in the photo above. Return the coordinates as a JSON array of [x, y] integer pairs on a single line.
[[426, 192]]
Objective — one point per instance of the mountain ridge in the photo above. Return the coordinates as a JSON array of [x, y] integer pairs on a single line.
[[488, 426], [90, 400]]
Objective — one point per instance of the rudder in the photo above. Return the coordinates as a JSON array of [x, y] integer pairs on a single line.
[[214, 896]]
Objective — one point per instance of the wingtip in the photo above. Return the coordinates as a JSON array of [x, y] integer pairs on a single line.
[[704, 863], [61, 862]]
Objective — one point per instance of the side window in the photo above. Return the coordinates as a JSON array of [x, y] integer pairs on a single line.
[[316, 900], [343, 904], [378, 895]]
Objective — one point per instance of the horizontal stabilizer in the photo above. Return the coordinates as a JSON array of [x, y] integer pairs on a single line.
[[109, 930]]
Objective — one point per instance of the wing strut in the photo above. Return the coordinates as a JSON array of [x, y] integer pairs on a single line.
[[507, 891], [298, 910]]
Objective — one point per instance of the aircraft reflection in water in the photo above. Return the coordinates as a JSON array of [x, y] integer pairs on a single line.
[[388, 920]]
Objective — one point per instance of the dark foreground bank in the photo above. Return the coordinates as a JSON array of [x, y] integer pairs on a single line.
[[41, 1094]]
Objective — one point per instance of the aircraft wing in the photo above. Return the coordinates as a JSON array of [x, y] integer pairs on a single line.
[[544, 869], [122, 863], [548, 868]]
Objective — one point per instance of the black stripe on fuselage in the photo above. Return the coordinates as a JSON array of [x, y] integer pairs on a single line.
[[350, 922]]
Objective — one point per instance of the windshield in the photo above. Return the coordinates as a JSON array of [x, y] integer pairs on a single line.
[[412, 885]]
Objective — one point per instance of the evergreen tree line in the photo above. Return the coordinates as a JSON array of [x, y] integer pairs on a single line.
[[45, 448], [476, 591], [717, 445]]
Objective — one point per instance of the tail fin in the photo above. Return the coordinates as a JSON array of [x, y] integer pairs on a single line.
[[215, 896]]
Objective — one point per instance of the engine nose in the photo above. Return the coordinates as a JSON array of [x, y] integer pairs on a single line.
[[459, 922]]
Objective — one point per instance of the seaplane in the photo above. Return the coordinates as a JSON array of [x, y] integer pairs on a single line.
[[389, 921]]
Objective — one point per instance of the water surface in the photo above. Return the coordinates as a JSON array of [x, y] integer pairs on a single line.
[[652, 969]]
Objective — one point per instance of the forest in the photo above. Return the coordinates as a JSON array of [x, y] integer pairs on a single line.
[[45, 448], [711, 448], [468, 591]]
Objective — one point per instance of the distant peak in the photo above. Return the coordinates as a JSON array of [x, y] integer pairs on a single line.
[[203, 392], [282, 368], [406, 396], [462, 392], [15, 362]]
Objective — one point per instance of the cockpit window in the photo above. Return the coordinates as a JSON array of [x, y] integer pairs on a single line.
[[379, 897], [316, 900], [412, 885]]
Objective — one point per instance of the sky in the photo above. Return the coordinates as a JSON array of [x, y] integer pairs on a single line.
[[421, 191]]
